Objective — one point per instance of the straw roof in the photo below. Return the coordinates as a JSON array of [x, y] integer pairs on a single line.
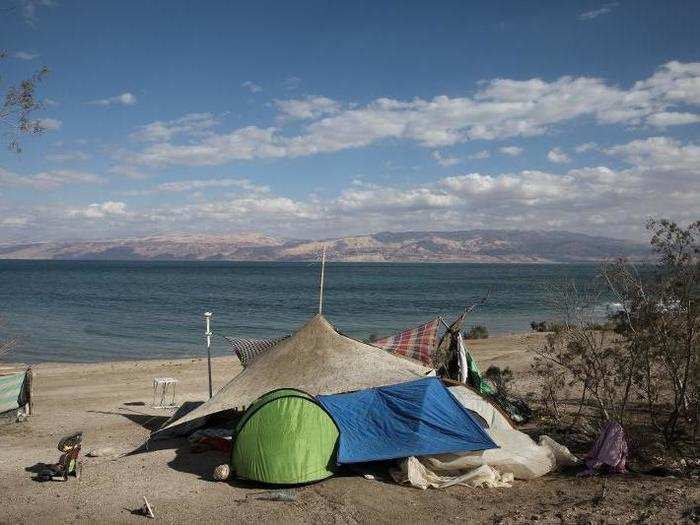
[[316, 359]]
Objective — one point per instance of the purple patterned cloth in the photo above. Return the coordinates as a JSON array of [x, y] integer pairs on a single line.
[[609, 450]]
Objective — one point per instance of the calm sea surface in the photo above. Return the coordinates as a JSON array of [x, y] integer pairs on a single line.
[[98, 311]]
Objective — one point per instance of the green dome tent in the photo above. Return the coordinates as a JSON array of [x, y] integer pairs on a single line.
[[285, 437]]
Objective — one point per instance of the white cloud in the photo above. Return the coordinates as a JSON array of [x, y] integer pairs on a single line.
[[309, 108], [479, 155], [25, 55], [248, 209], [377, 199], [444, 161], [671, 118], [661, 180], [251, 86], [660, 154], [191, 125], [673, 83], [196, 186], [193, 185], [48, 180], [585, 147], [49, 124], [291, 83], [69, 156], [125, 99], [595, 13], [128, 171], [30, 7], [512, 151], [103, 210], [14, 221], [530, 187], [502, 108], [558, 156]]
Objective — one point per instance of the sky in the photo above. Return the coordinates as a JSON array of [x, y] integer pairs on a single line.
[[319, 119]]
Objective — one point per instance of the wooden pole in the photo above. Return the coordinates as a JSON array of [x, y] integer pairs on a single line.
[[208, 334], [323, 270]]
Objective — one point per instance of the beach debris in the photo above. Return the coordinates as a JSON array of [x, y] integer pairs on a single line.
[[412, 472], [222, 472], [145, 509], [215, 438], [609, 451], [211, 443], [101, 452], [221, 432], [68, 464], [276, 495], [692, 513], [21, 415]]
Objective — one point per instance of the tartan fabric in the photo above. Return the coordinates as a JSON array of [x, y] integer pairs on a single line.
[[417, 343], [248, 349]]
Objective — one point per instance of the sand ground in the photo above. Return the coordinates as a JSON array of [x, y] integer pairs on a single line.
[[110, 403]]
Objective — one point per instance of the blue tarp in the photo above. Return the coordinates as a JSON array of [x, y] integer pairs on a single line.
[[417, 418]]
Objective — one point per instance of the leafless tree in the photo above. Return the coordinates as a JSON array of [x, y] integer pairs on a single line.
[[18, 107]]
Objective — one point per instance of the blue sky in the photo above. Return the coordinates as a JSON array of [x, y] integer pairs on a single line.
[[307, 119]]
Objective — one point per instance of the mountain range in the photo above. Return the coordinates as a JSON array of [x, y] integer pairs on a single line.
[[494, 246]]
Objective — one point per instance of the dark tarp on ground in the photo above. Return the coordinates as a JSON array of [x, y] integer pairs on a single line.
[[415, 418]]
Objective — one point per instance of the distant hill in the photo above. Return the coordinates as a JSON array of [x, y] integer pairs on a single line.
[[504, 246]]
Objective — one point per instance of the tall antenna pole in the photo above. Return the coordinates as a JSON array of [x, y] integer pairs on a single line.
[[323, 271], [208, 334]]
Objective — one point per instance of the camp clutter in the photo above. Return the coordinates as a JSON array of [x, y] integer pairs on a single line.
[[318, 400]]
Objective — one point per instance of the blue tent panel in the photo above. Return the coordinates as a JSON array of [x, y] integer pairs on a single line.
[[417, 418]]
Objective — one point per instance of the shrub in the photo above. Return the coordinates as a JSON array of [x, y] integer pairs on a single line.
[[645, 358], [500, 378], [478, 331], [547, 326]]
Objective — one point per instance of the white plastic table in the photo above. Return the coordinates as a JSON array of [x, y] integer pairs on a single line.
[[162, 384]]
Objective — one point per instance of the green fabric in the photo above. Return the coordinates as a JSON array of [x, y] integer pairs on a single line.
[[11, 391], [285, 437], [270, 396], [474, 377]]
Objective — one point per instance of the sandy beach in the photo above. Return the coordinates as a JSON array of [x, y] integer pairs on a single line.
[[110, 402]]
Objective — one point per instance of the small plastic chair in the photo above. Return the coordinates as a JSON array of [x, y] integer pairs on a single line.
[[162, 384]]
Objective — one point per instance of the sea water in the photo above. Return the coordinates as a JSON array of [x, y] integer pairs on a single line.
[[82, 311]]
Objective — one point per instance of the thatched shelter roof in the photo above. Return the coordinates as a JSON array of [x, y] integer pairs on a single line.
[[316, 359]]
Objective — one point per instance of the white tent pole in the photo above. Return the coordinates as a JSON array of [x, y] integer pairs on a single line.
[[323, 270], [208, 334]]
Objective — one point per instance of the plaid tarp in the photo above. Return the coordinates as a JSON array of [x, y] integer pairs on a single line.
[[248, 349], [417, 343]]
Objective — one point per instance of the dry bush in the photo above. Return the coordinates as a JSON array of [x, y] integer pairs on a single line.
[[644, 372], [660, 326], [581, 370]]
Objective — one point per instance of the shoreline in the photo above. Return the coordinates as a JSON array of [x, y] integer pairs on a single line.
[[335, 261], [488, 344]]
